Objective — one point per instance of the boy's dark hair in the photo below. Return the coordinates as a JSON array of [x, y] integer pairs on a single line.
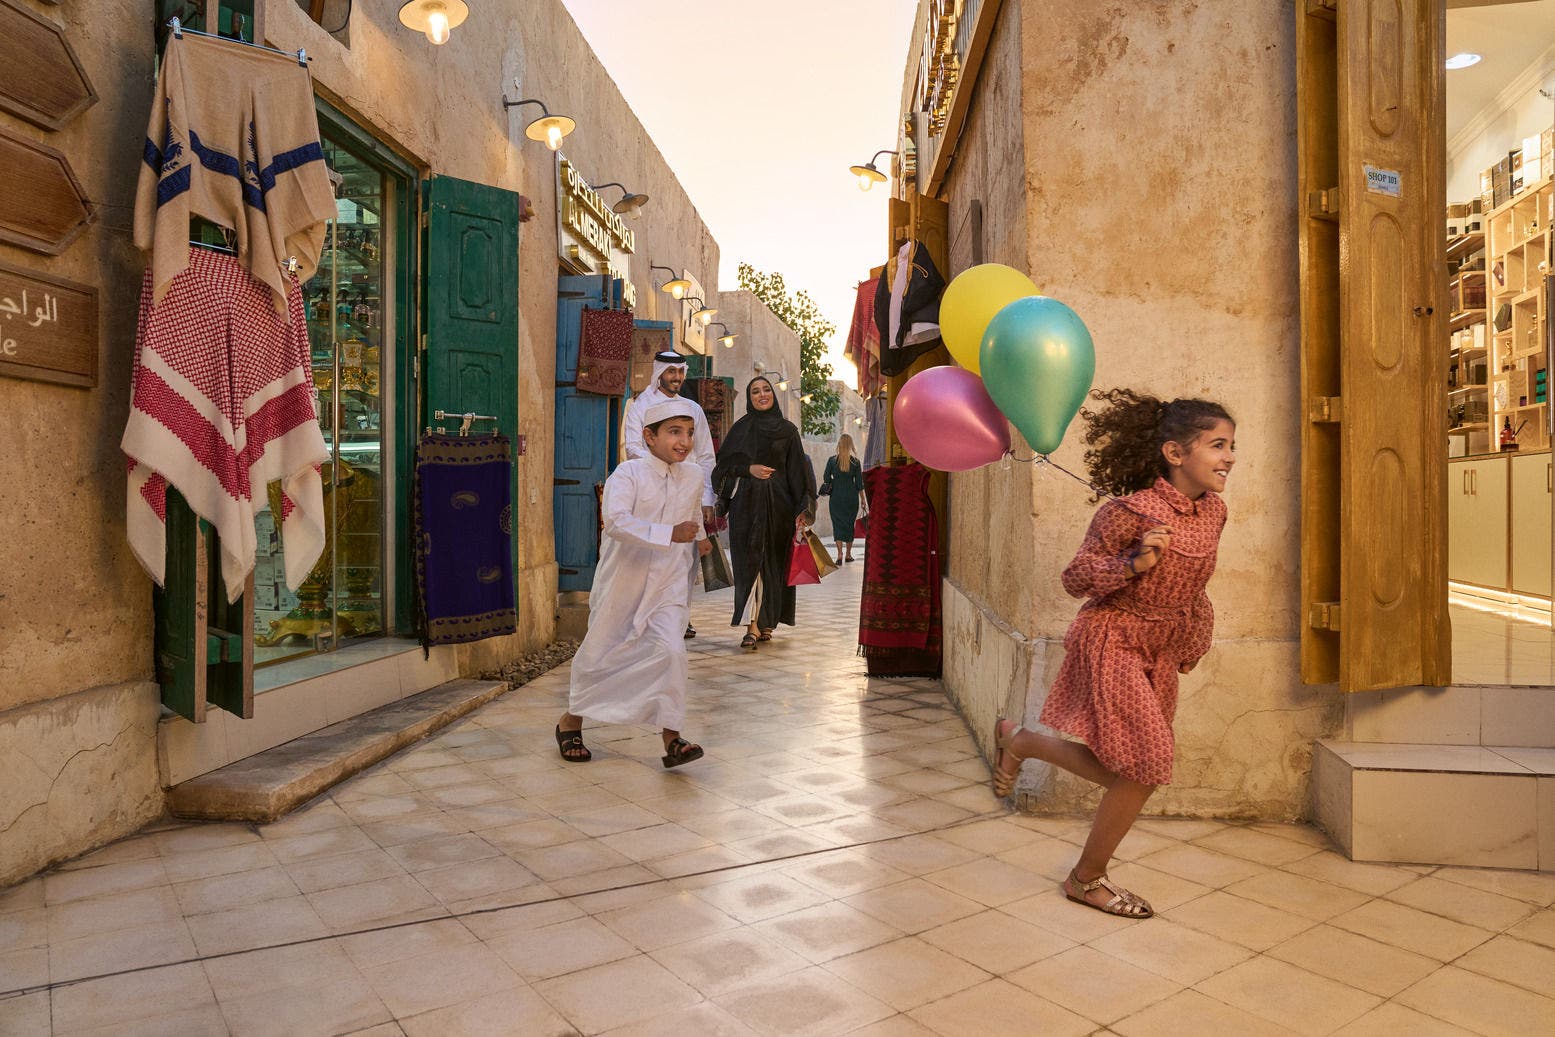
[[1125, 438]]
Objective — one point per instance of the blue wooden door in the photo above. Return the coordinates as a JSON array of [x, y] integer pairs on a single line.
[[582, 438]]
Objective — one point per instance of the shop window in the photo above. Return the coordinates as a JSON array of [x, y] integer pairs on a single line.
[[334, 16]]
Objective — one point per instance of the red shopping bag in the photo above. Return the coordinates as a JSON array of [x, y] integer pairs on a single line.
[[861, 529], [801, 565]]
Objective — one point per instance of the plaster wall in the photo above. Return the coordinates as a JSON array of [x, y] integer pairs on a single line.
[[1173, 234], [762, 339]]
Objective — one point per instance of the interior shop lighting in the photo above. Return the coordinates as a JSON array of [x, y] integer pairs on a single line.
[[1463, 60], [728, 337], [549, 129], [629, 203], [704, 313], [677, 286], [436, 18], [869, 174]]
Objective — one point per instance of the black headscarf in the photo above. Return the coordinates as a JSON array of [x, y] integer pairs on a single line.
[[758, 426]]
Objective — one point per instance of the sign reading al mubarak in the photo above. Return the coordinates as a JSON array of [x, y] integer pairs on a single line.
[[592, 239]]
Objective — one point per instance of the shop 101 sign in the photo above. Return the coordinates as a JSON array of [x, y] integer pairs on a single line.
[[593, 240], [48, 328]]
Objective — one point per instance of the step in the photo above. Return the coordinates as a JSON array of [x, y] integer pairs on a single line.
[[264, 787], [1458, 715], [1469, 805]]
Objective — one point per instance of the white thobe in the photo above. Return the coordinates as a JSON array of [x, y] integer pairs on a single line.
[[631, 667], [702, 453]]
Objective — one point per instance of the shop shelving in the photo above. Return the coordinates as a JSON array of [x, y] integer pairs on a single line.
[[1518, 262]]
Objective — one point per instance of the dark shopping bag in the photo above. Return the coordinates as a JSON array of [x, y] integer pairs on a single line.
[[715, 568], [801, 565]]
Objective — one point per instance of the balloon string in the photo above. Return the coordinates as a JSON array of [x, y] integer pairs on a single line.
[[1041, 459]]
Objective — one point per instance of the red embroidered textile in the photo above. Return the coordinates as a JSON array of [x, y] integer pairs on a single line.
[[899, 614], [221, 406], [605, 352], [863, 345], [1117, 688]]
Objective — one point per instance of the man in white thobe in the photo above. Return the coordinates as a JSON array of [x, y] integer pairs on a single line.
[[669, 374], [631, 667]]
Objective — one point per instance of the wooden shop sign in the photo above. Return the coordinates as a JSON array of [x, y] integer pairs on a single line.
[[41, 79], [48, 328], [591, 238], [42, 207]]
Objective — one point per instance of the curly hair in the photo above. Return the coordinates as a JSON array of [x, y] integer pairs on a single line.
[[1124, 439]]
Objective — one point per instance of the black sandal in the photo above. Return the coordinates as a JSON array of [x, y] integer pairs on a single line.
[[766, 635], [572, 742], [680, 751], [748, 642]]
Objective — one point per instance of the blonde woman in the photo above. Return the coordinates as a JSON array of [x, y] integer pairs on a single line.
[[844, 484]]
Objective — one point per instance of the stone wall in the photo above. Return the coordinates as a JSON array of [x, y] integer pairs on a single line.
[[1173, 234]]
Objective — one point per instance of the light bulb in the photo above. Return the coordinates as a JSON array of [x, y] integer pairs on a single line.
[[437, 25], [728, 341], [553, 137], [678, 292], [705, 318], [782, 387], [865, 182]]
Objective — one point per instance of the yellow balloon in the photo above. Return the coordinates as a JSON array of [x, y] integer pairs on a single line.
[[971, 301]]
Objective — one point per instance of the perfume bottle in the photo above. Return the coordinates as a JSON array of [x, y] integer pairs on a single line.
[[1508, 436]]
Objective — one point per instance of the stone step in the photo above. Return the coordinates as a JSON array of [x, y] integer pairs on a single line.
[[264, 787], [1456, 715], [1469, 805]]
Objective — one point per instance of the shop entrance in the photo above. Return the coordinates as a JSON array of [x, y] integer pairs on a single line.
[[1500, 110], [584, 434]]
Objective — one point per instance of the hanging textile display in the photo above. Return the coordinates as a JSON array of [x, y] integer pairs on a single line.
[[712, 395], [899, 614], [233, 138], [605, 352], [221, 404], [874, 431], [907, 307], [648, 343], [463, 511], [863, 343]]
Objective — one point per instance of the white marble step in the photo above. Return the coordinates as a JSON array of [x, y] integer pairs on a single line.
[[1469, 805], [1460, 715]]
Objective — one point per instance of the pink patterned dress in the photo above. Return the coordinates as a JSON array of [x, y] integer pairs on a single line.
[[1117, 690]]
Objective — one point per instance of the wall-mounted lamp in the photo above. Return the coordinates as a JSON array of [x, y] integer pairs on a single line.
[[868, 174], [629, 203], [859, 422], [548, 129], [782, 384], [806, 398], [677, 287], [703, 313], [728, 337], [436, 18]]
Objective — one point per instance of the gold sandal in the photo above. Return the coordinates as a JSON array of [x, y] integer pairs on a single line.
[[1123, 903], [1003, 780]]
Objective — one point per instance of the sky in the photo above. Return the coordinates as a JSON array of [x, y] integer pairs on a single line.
[[790, 95]]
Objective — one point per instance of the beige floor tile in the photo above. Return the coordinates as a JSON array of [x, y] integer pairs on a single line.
[[1239, 920], [1054, 912], [242, 976], [205, 1021], [224, 892], [906, 973], [1527, 965], [1176, 952], [222, 860], [1412, 930], [703, 1020], [1164, 891], [1284, 994], [822, 933], [197, 838], [441, 851], [1394, 1020], [26, 1015], [335, 1007], [107, 914], [530, 835], [808, 1003], [708, 862], [1050, 857], [666, 921], [119, 1000], [989, 881], [996, 942], [1480, 1003], [518, 1010], [1536, 887], [989, 837], [24, 968], [659, 841], [556, 950], [1190, 1012], [442, 977], [999, 1007], [612, 820], [723, 962], [385, 946], [1306, 834], [922, 815], [845, 872], [355, 907], [913, 905], [462, 882], [1538, 928], [1180, 828], [1462, 903], [490, 925], [349, 869], [256, 925], [625, 875], [1371, 879], [62, 887], [1259, 847], [114, 952], [329, 843], [623, 992], [1298, 895], [751, 898], [570, 859], [1093, 984], [1204, 866], [1355, 961], [25, 897]]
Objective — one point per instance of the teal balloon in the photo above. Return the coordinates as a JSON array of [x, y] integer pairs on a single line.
[[1038, 362]]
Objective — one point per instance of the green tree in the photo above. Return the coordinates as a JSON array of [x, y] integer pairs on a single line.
[[799, 312]]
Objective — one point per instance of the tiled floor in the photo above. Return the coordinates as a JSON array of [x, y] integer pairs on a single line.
[[1500, 647], [836, 865]]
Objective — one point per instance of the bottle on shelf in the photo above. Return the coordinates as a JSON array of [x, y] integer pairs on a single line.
[[1508, 435]]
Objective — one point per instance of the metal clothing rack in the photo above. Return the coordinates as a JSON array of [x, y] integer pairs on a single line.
[[466, 419], [178, 30]]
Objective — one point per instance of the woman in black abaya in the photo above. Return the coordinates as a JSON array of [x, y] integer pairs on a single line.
[[766, 484]]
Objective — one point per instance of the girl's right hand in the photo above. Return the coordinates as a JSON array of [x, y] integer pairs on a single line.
[[761, 471], [1151, 547]]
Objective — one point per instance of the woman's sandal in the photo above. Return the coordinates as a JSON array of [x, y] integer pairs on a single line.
[[748, 642], [766, 635], [1004, 780], [572, 742], [680, 751], [1123, 903]]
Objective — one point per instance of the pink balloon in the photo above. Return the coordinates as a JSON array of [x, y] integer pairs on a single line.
[[946, 420]]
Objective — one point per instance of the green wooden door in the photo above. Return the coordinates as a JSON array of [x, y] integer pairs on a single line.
[[470, 360]]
